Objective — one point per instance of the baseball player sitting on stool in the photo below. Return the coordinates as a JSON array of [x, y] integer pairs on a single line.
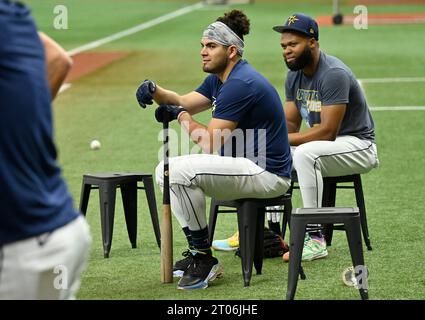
[[324, 93], [244, 106], [44, 241]]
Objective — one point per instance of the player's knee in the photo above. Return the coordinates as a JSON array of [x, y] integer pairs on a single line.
[[181, 172], [302, 157]]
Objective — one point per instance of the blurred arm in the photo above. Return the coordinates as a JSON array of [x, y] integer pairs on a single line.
[[58, 63]]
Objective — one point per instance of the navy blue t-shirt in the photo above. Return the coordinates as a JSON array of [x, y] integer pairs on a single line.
[[33, 197], [249, 99]]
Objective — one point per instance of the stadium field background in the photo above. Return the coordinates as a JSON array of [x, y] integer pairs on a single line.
[[388, 59]]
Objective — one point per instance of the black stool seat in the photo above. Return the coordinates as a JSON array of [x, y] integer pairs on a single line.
[[301, 217], [330, 185], [107, 183], [251, 227]]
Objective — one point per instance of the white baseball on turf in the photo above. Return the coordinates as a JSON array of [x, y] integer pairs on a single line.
[[95, 144]]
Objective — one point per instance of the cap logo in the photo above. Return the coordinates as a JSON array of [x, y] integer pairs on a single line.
[[292, 19], [311, 30]]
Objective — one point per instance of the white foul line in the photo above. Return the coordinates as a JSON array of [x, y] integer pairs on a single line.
[[125, 33], [398, 108], [136, 29], [389, 80]]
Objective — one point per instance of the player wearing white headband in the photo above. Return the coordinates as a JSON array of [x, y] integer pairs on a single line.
[[222, 34], [244, 104]]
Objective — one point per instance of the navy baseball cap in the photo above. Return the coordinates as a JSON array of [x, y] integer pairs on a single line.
[[301, 23]]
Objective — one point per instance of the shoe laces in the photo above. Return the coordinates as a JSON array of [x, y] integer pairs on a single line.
[[198, 265], [307, 239]]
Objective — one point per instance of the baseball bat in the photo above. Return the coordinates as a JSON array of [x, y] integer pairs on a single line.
[[166, 226]]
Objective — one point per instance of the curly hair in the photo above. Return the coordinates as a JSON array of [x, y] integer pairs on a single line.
[[237, 21]]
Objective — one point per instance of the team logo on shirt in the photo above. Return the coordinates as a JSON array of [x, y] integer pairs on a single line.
[[309, 106]]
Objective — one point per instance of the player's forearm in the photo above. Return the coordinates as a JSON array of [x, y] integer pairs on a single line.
[[312, 134], [58, 63], [164, 96], [199, 133], [292, 127]]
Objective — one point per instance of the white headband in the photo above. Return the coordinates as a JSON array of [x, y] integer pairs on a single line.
[[222, 34]]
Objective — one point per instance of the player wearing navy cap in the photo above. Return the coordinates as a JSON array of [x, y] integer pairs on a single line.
[[300, 23], [324, 93]]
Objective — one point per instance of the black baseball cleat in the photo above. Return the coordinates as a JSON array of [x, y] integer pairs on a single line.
[[181, 265], [204, 268]]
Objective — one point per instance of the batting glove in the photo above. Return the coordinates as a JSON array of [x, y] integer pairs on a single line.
[[171, 111], [144, 93]]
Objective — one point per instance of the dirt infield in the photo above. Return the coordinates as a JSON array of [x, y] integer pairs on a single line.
[[88, 62], [379, 19]]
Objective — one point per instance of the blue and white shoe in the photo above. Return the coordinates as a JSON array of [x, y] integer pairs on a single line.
[[203, 269]]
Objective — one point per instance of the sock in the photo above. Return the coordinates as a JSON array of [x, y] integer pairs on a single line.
[[200, 240], [188, 237]]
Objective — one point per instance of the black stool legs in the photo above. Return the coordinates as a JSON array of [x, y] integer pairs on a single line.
[[214, 210], [286, 219], [356, 251], [247, 221], [296, 243], [150, 196], [251, 214], [330, 186], [362, 207], [107, 183], [259, 241], [84, 197], [129, 200], [329, 196], [107, 214], [299, 220]]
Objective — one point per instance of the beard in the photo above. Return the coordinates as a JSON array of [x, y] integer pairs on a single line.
[[217, 67], [301, 62]]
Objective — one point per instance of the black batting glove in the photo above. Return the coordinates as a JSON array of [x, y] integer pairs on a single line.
[[144, 93], [169, 110]]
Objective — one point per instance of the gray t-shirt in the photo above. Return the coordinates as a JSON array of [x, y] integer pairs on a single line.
[[332, 83]]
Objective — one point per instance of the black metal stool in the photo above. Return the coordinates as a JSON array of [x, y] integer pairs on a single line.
[[330, 185], [251, 227], [301, 217], [107, 183]]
